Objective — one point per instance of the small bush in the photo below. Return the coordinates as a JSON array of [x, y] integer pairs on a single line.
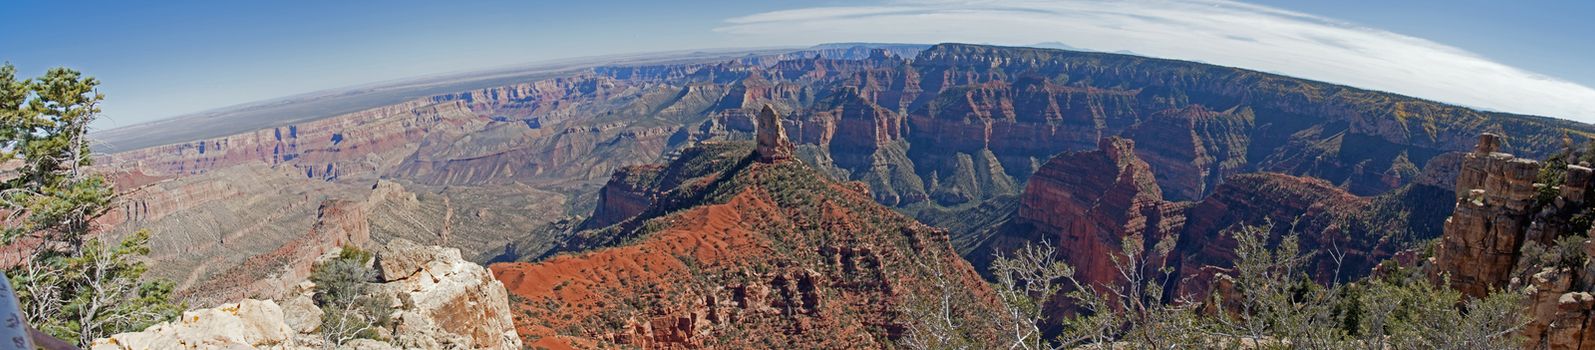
[[349, 310]]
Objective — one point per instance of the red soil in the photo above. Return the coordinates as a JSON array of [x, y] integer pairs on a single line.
[[713, 235]]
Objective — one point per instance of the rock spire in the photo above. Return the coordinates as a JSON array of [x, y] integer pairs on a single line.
[[1500, 210], [1495, 192], [773, 144]]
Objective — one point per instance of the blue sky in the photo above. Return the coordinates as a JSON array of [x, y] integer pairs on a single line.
[[164, 59], [1555, 38]]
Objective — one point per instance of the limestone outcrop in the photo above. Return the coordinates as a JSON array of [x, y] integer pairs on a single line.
[[444, 301], [440, 302], [1562, 307], [253, 324]]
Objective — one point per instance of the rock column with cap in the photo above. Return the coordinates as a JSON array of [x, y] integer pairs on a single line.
[[773, 145], [1495, 192]]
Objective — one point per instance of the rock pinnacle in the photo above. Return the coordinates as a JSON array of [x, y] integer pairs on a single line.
[[773, 145]]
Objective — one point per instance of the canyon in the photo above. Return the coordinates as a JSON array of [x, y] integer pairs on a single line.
[[624, 204]]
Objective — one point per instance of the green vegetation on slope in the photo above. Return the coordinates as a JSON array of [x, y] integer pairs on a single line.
[[1269, 304]]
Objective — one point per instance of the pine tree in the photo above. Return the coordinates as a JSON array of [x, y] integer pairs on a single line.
[[72, 284]]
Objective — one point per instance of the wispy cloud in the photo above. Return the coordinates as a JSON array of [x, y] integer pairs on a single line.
[[1214, 31]]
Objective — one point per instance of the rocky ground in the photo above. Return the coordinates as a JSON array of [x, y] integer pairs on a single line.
[[441, 301]]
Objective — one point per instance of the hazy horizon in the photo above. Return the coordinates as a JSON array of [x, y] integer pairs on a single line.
[[159, 61]]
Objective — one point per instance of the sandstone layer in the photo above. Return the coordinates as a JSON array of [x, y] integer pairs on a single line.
[[1506, 220]]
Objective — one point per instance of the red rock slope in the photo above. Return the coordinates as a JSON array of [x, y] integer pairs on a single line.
[[757, 255]]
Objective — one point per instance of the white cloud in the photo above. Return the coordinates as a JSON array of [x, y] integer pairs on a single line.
[[1213, 31]]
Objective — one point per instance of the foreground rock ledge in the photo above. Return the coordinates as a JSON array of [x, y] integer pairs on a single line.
[[440, 302]]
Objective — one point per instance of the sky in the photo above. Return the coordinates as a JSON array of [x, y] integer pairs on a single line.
[[159, 60]]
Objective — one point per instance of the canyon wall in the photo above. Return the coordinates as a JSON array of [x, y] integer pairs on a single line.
[[321, 149], [1090, 204]]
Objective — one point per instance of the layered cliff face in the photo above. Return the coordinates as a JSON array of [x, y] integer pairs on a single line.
[[902, 124], [1523, 225], [866, 141], [1351, 234], [524, 132], [1360, 139], [441, 302], [483, 221], [978, 121], [1094, 206], [1093, 203], [553, 130], [365, 143], [228, 213], [220, 235], [253, 230], [1018, 120], [1193, 149], [628, 193], [273, 273], [758, 254], [952, 127]]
